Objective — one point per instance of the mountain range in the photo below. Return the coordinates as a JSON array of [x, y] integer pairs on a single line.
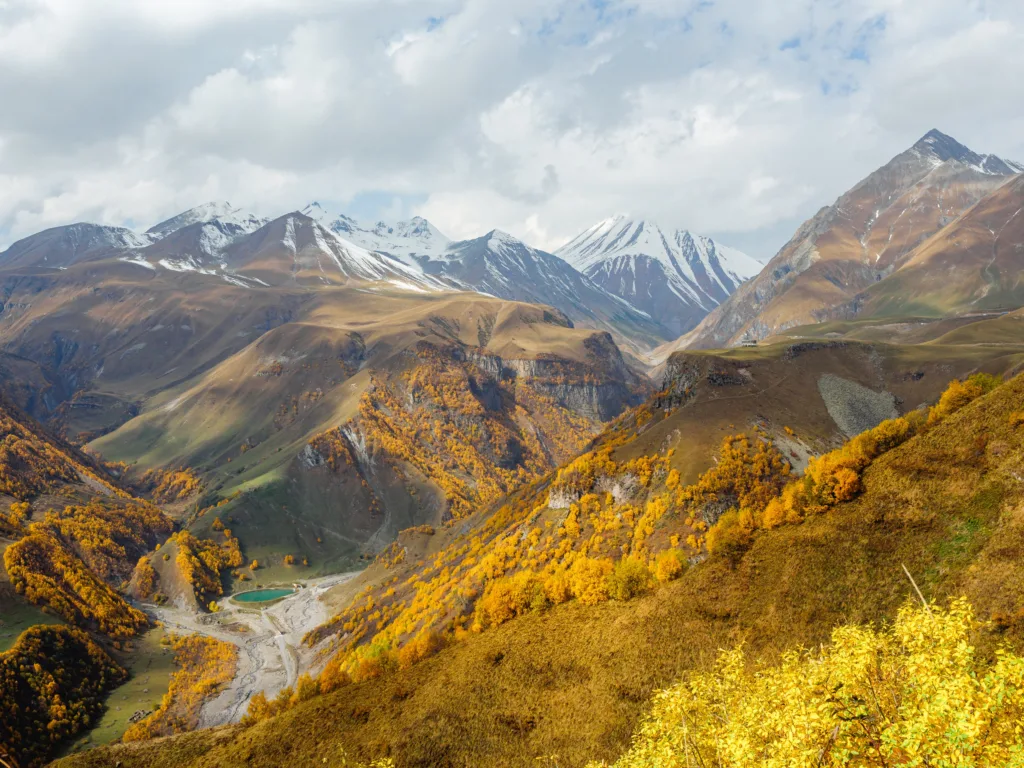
[[314, 247]]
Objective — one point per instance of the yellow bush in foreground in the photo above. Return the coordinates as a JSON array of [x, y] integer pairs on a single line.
[[911, 694]]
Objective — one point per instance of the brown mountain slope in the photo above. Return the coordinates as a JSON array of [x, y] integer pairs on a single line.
[[974, 264], [107, 335], [566, 684], [379, 411], [859, 240]]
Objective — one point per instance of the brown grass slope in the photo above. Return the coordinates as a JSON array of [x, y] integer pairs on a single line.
[[572, 681]]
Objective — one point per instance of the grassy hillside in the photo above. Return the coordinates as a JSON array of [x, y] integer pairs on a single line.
[[325, 437], [568, 682]]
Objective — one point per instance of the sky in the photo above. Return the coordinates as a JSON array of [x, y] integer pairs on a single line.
[[732, 118]]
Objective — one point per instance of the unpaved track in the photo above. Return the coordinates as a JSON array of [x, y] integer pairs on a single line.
[[270, 653]]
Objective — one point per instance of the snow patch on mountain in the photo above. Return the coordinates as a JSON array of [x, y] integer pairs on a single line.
[[231, 222]]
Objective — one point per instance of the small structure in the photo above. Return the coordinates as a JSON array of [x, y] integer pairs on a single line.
[[748, 341]]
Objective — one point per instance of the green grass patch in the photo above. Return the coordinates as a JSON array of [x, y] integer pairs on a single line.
[[150, 665], [16, 616]]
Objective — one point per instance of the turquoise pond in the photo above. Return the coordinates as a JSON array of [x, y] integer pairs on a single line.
[[261, 595]]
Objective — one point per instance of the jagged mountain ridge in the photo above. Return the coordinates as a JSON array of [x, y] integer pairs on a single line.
[[674, 276], [865, 236], [501, 265], [229, 218]]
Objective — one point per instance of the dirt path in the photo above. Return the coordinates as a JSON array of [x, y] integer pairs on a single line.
[[270, 651]]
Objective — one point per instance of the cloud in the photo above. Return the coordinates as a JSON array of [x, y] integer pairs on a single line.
[[736, 118]]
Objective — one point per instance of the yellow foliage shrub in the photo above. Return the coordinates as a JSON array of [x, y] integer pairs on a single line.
[[914, 693], [629, 578], [425, 644], [669, 565], [960, 393], [588, 579]]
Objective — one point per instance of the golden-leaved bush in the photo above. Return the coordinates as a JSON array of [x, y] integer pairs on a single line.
[[912, 694]]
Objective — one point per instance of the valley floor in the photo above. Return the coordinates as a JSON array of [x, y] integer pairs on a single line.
[[271, 654]]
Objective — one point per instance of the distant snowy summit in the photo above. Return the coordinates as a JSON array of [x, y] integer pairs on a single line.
[[413, 239], [673, 275]]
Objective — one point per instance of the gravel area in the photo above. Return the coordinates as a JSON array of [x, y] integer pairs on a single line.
[[853, 407]]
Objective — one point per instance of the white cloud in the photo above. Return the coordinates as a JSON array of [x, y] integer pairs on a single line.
[[538, 117]]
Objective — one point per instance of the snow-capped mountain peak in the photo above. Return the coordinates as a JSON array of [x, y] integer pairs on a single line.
[[230, 219], [498, 240], [410, 241], [939, 148], [622, 235], [672, 274]]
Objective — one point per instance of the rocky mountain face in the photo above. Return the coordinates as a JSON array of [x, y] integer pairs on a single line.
[[974, 264], [60, 247], [674, 276], [864, 237]]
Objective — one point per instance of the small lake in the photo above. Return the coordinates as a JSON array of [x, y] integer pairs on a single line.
[[261, 595]]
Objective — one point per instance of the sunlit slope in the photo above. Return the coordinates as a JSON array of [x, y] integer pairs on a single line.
[[976, 263]]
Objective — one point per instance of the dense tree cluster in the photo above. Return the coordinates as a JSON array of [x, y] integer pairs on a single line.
[[168, 486], [12, 522], [145, 578], [108, 537], [202, 561], [913, 693], [51, 686], [43, 570], [70, 559], [29, 465], [32, 464], [204, 666]]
